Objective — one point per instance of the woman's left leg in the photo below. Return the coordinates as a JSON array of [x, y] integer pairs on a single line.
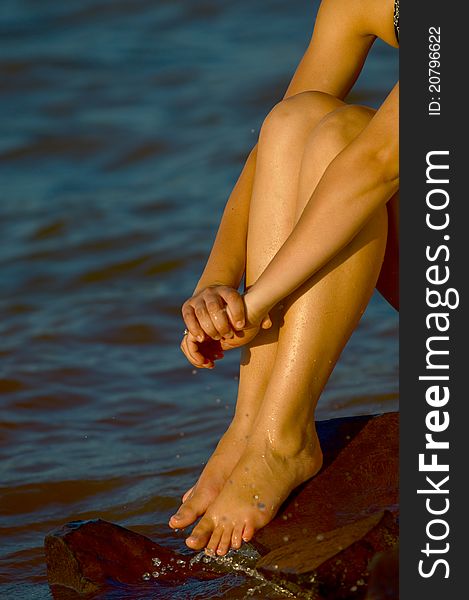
[[317, 321]]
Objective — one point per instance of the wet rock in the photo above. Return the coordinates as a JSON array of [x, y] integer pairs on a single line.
[[384, 579], [88, 555], [336, 563]]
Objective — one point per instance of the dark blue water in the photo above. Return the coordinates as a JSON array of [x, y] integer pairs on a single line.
[[124, 124]]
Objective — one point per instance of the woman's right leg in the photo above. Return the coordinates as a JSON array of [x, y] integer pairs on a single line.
[[273, 206]]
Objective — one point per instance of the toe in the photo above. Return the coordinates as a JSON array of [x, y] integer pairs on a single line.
[[201, 534], [188, 512], [215, 538], [188, 493], [224, 543], [248, 532], [183, 517], [236, 538]]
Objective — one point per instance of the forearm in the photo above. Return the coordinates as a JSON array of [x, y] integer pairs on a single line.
[[354, 185], [227, 259]]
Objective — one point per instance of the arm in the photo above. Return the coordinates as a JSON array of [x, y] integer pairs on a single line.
[[361, 178]]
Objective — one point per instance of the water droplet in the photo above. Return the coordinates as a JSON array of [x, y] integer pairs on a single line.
[[218, 400], [256, 497], [285, 538], [178, 456], [353, 588], [146, 577], [155, 574], [284, 517], [156, 561], [319, 537], [194, 371], [180, 562]]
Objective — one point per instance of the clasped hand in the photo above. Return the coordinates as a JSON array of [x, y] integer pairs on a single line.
[[218, 318]]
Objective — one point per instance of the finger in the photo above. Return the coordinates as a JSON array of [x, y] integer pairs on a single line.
[[204, 360], [205, 320], [192, 324], [193, 354], [187, 354], [217, 310], [235, 306]]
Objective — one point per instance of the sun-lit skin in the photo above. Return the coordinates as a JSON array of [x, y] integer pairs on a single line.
[[312, 224]]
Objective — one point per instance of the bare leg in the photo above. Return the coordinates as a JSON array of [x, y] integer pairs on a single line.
[[273, 206], [283, 450]]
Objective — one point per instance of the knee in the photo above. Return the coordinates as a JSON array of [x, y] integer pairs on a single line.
[[342, 125], [295, 112]]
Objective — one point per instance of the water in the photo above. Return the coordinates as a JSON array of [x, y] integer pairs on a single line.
[[124, 126]]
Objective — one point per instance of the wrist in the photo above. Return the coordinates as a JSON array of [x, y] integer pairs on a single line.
[[256, 307]]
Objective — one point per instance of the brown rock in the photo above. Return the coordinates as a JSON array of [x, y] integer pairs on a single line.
[[87, 556], [384, 579], [335, 563]]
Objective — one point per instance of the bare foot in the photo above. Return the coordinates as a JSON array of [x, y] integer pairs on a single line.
[[262, 479], [212, 479]]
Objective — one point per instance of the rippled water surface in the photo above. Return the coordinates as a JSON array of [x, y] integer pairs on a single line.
[[124, 126]]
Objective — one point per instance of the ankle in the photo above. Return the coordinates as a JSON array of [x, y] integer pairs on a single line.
[[289, 441]]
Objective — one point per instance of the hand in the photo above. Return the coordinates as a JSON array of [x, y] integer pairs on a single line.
[[206, 313], [201, 354], [254, 322]]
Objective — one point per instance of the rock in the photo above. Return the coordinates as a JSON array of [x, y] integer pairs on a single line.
[[336, 564], [384, 579], [88, 555]]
